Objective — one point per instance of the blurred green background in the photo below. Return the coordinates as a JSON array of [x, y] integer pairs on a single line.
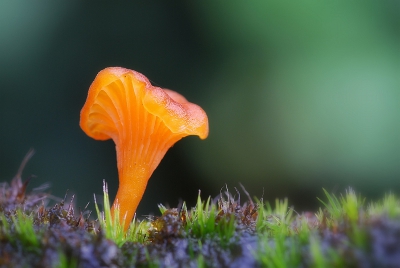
[[299, 96]]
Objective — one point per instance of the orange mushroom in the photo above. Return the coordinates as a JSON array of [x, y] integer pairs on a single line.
[[144, 121]]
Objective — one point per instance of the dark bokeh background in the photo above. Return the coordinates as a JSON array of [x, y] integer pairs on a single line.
[[299, 96]]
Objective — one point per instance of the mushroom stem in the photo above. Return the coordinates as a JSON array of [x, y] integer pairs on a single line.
[[127, 201], [136, 164]]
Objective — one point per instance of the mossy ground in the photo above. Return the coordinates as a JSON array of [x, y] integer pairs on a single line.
[[347, 231]]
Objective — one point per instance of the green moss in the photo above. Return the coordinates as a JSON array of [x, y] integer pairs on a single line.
[[220, 232]]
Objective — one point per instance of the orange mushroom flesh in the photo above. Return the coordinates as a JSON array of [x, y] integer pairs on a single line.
[[144, 121]]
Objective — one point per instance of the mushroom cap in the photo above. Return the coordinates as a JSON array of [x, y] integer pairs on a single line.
[[103, 116]]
